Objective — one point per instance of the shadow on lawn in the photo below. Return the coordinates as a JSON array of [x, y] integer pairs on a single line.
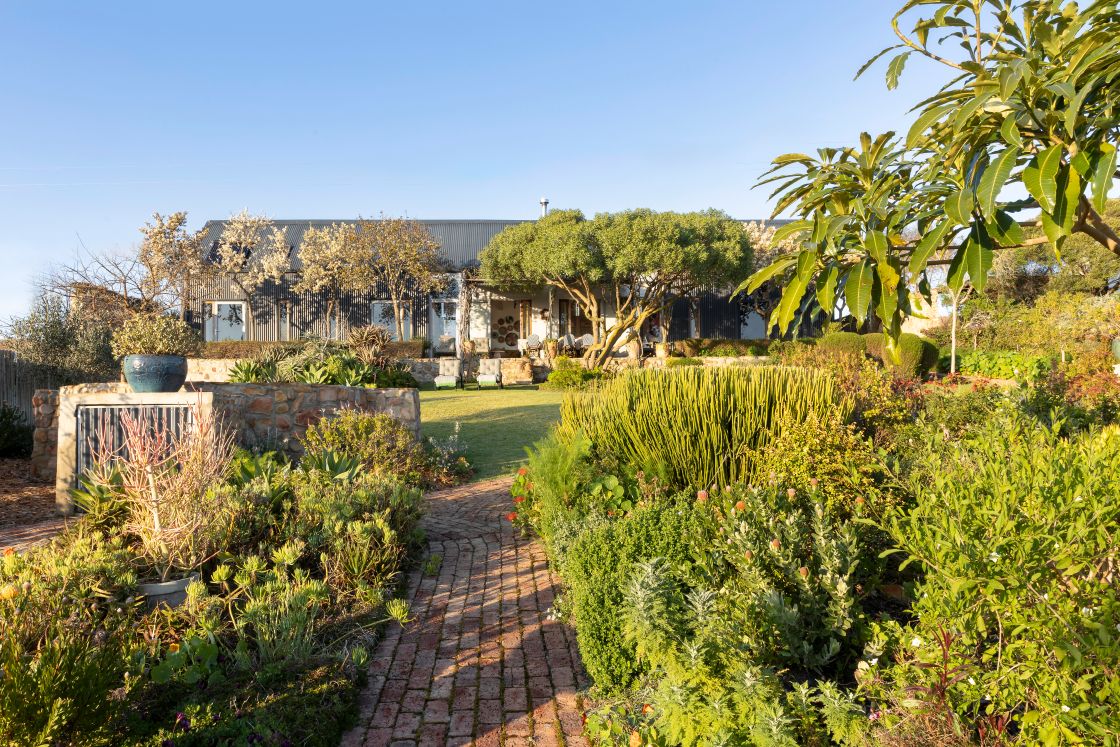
[[497, 438]]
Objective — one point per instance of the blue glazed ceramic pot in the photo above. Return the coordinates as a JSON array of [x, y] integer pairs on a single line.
[[155, 373]]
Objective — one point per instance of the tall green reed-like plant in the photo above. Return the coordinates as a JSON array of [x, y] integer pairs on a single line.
[[697, 427]]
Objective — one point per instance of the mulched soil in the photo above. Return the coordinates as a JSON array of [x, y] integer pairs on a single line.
[[23, 500]]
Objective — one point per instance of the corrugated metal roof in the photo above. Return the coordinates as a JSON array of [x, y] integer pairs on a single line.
[[461, 241]]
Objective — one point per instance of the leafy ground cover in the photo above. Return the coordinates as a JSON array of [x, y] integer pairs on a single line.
[[290, 571], [865, 574], [494, 425]]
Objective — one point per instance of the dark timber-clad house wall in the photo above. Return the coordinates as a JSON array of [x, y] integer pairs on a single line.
[[279, 313], [461, 241]]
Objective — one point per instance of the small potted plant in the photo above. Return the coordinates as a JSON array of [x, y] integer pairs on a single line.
[[551, 347], [154, 350], [661, 350]]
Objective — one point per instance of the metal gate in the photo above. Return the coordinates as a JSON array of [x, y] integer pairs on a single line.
[[99, 427]]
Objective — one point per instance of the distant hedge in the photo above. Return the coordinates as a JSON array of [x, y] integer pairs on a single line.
[[251, 349], [918, 355]]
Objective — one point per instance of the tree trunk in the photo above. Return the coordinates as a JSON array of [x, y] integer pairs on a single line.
[[953, 336], [398, 319], [463, 328]]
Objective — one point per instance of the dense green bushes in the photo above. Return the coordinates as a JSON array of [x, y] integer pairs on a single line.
[[15, 432], [940, 569], [1004, 364], [696, 427], [601, 561], [917, 355], [297, 567], [571, 374], [1016, 531]]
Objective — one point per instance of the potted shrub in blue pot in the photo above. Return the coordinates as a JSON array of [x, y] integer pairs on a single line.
[[153, 349]]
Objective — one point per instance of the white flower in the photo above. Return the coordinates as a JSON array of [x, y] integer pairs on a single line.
[[971, 681], [915, 642], [875, 661], [993, 557], [1065, 709]]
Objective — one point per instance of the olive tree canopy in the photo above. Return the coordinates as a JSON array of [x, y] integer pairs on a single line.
[[633, 264]]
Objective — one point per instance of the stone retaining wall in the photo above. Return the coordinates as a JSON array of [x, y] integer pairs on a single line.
[[272, 416], [44, 448], [215, 370], [514, 370]]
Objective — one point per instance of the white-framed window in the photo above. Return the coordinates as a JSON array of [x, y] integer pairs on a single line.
[[381, 312], [444, 319], [226, 321], [284, 320]]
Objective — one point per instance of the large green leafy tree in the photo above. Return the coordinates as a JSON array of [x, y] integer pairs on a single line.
[[1031, 106], [624, 267]]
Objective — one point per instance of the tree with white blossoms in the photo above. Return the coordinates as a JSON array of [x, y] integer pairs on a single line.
[[404, 258], [334, 262], [250, 252], [110, 286], [170, 255]]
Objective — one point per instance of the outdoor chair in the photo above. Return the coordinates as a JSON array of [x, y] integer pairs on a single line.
[[444, 346], [450, 373], [533, 345], [489, 372], [567, 344]]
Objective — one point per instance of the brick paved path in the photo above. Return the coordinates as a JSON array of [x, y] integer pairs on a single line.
[[480, 663], [28, 535]]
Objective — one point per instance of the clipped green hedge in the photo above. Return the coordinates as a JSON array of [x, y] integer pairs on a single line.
[[697, 426], [843, 342], [255, 349], [918, 355]]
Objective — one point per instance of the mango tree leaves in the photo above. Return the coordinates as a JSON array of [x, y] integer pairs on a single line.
[[973, 260], [861, 282], [995, 176], [795, 289], [1040, 177], [826, 288], [933, 240], [1104, 169], [1058, 221], [959, 206]]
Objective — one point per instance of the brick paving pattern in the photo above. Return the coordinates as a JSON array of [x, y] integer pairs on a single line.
[[28, 535], [480, 663]]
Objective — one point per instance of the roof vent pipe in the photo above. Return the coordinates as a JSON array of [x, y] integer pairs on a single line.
[[544, 206]]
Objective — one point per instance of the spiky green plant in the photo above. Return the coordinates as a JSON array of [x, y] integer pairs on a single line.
[[697, 427]]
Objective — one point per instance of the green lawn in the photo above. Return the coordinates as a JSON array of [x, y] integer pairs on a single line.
[[495, 424]]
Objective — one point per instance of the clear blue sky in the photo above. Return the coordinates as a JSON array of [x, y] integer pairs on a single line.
[[438, 110]]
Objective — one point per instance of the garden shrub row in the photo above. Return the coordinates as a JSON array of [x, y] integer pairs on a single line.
[[238, 349], [296, 569], [870, 573], [917, 355], [1003, 364]]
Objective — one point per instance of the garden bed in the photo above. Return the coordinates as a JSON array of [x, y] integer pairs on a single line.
[[23, 499]]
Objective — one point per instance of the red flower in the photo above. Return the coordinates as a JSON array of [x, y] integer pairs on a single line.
[[740, 506], [528, 486], [511, 516], [776, 544], [522, 472], [803, 571], [702, 495], [519, 499]]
